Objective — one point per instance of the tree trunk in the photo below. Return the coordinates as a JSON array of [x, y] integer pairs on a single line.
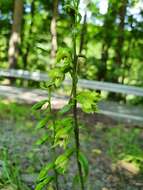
[[54, 44], [119, 47], [120, 37], [15, 38], [28, 45], [83, 33], [107, 36]]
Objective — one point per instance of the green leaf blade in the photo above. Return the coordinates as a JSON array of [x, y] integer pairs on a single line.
[[84, 164], [38, 105], [45, 182]]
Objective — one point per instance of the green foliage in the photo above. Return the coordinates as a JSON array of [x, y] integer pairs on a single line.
[[6, 5], [61, 162], [14, 111], [63, 54], [10, 174], [88, 101], [124, 145]]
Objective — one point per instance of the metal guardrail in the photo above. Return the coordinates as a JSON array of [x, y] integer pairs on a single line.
[[24, 74], [112, 109], [94, 85]]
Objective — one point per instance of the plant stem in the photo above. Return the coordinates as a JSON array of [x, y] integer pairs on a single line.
[[54, 151], [75, 122], [76, 133]]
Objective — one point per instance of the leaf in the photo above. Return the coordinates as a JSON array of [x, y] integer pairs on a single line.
[[42, 123], [66, 68], [70, 10], [69, 152], [44, 171], [66, 108], [58, 81], [61, 163], [84, 164], [60, 160], [43, 139], [62, 54], [66, 65], [62, 123], [39, 105], [56, 73], [45, 182], [45, 106], [79, 17], [62, 137], [88, 101], [49, 84], [63, 131]]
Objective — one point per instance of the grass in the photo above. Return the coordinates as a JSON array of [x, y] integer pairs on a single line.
[[125, 144], [18, 112], [10, 178]]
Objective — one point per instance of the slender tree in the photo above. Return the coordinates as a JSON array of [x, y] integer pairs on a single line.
[[54, 30], [120, 36], [28, 45], [83, 33], [15, 37], [107, 36]]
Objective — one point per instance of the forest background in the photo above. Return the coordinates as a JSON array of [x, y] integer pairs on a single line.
[[111, 38]]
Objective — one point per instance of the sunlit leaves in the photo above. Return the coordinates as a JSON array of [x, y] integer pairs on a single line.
[[57, 76], [62, 54], [64, 59], [63, 132], [56, 73], [61, 163], [88, 101], [58, 81], [62, 136]]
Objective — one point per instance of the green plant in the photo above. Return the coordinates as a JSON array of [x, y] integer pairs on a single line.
[[10, 174], [124, 145], [63, 127]]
